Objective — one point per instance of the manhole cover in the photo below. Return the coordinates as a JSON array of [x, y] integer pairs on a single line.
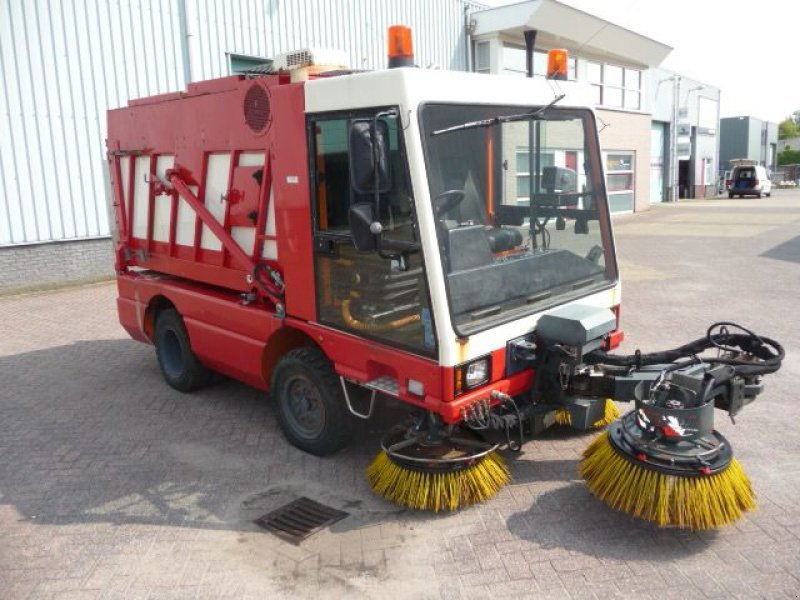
[[299, 519]]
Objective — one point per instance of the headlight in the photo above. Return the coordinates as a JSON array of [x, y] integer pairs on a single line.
[[472, 374]]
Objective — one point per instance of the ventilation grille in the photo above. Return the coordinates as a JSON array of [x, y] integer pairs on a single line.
[[300, 58], [297, 520], [256, 108]]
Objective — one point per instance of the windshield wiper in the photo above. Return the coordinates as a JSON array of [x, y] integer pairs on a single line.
[[528, 116]]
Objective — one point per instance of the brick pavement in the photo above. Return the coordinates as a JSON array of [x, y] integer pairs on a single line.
[[112, 485]]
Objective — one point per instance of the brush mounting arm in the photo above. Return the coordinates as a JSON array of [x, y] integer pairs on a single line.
[[570, 361], [690, 386]]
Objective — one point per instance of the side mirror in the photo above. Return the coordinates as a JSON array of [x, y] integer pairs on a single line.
[[369, 156], [363, 226]]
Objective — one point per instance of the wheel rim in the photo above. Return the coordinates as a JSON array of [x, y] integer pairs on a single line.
[[171, 354], [305, 410]]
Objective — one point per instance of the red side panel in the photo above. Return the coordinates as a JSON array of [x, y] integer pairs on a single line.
[[293, 202], [220, 117], [226, 334], [243, 197]]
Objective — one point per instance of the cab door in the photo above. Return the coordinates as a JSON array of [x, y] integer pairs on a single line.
[[365, 293]]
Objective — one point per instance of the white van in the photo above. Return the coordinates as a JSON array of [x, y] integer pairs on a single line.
[[749, 179]]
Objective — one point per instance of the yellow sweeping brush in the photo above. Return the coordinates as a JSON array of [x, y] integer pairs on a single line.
[[611, 414], [687, 502], [436, 491]]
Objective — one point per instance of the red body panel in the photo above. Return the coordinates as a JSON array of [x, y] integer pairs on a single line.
[[293, 203], [236, 335], [232, 337]]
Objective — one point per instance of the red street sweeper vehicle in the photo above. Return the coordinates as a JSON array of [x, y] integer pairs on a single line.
[[443, 238]]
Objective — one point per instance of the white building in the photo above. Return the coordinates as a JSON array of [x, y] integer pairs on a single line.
[[64, 63]]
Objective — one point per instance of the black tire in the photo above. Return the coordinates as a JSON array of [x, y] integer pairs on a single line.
[[309, 403], [730, 194], [769, 194], [758, 195], [179, 365]]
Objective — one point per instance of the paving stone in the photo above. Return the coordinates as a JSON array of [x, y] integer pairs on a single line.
[[113, 485]]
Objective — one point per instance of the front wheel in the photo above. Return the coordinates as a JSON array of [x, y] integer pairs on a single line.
[[309, 402]]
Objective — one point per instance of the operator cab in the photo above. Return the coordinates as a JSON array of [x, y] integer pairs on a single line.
[[437, 219]]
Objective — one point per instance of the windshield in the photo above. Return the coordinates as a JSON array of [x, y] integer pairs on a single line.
[[520, 209]]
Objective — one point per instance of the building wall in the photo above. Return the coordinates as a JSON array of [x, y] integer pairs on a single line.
[[630, 131], [734, 132], [748, 137], [64, 63], [700, 101], [754, 139], [770, 145], [38, 266]]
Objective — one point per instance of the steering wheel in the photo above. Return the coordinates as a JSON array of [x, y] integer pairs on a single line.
[[447, 201]]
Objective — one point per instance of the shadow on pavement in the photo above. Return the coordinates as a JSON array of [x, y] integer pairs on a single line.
[[89, 432], [788, 251], [570, 518]]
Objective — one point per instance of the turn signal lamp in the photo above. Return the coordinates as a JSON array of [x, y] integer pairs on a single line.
[[557, 64], [401, 51]]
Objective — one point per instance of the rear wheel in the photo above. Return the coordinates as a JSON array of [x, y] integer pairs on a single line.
[[309, 402], [179, 365], [758, 195]]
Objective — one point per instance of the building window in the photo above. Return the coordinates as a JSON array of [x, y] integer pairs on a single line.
[[514, 63], [482, 61], [633, 87], [620, 181], [546, 159], [615, 86]]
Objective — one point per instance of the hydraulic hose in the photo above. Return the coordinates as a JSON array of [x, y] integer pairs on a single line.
[[354, 323], [769, 352]]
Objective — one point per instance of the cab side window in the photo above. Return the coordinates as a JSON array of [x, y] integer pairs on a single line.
[[333, 175]]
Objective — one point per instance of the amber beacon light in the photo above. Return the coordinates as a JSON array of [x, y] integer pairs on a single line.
[[557, 60], [401, 51]]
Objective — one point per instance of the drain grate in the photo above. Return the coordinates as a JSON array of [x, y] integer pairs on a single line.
[[299, 519]]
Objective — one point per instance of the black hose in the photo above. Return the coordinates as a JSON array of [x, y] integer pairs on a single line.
[[769, 352]]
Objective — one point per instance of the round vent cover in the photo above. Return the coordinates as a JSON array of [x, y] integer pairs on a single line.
[[256, 108]]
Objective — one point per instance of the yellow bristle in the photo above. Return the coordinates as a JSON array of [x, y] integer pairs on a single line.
[[697, 503], [563, 417], [437, 491], [610, 415]]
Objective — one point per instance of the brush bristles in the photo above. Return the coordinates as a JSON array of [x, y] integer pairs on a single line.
[[563, 417], [697, 503], [610, 415], [437, 491]]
